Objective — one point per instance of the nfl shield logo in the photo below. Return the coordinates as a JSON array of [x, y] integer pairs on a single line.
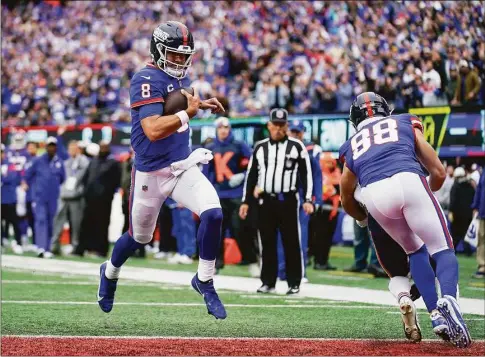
[[144, 188]]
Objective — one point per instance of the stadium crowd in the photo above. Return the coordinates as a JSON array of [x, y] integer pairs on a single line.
[[71, 62]]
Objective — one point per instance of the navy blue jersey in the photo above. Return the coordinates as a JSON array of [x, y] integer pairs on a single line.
[[230, 157], [148, 89], [383, 147]]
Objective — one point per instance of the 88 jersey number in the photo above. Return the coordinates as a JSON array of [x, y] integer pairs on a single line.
[[385, 131]]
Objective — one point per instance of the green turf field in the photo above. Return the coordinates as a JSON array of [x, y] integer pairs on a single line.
[[164, 310], [341, 257], [36, 303]]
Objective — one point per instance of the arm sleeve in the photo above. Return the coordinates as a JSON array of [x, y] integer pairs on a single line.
[[305, 173], [61, 149], [251, 177], [317, 178], [147, 110], [30, 171]]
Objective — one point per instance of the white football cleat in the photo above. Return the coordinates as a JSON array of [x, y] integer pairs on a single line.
[[409, 317]]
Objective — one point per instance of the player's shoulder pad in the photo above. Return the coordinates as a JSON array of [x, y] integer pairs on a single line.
[[146, 87], [411, 119]]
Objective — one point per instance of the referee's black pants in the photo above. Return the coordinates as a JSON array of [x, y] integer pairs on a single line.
[[280, 213]]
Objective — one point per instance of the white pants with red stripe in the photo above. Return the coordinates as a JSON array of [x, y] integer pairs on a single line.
[[407, 210], [150, 189]]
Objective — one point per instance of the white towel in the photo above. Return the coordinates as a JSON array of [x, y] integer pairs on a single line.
[[200, 155]]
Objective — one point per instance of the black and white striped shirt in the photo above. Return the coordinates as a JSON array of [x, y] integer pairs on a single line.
[[279, 167]]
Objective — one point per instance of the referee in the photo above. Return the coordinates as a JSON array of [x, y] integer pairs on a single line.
[[277, 168]]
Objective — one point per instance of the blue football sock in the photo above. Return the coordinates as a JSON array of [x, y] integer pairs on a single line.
[[447, 271], [424, 277], [123, 249], [209, 234]]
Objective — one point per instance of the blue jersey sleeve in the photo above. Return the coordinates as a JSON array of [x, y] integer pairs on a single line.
[[143, 91], [343, 155], [147, 110]]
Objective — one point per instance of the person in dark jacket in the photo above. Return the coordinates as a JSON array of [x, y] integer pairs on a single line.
[[461, 199], [10, 181], [45, 175], [101, 180]]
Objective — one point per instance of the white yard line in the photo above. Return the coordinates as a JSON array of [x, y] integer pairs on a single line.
[[188, 304], [93, 282], [241, 284]]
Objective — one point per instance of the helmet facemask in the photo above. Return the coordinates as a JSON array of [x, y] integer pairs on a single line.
[[177, 70]]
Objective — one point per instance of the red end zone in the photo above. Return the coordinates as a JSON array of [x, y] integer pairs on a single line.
[[99, 346]]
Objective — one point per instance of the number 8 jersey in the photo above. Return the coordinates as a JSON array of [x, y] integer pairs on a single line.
[[382, 147]]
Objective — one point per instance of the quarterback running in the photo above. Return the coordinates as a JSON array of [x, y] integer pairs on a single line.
[[386, 158], [164, 165]]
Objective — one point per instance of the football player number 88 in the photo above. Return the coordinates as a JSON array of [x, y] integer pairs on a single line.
[[383, 132], [145, 90]]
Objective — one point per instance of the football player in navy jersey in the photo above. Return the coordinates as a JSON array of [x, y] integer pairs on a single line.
[[385, 157], [164, 165]]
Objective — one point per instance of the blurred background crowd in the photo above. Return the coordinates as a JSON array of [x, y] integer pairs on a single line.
[[71, 62]]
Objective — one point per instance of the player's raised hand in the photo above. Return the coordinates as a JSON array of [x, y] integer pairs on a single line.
[[193, 102], [213, 104]]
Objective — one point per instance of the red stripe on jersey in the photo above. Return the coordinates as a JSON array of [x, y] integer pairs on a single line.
[[370, 112], [151, 65], [147, 101]]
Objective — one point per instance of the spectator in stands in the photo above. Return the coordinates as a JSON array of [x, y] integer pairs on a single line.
[[452, 84], [461, 199], [468, 85], [278, 93], [50, 61], [101, 180], [71, 203]]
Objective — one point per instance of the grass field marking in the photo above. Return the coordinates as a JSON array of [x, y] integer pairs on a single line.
[[478, 284], [426, 314], [92, 282], [276, 306], [240, 284]]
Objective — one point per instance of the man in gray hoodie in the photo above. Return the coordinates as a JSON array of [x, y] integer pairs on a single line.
[[71, 202]]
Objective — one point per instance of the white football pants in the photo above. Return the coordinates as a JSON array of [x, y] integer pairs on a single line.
[[407, 210], [150, 189]]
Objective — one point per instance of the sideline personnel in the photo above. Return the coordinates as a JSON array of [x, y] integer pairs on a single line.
[[276, 168]]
